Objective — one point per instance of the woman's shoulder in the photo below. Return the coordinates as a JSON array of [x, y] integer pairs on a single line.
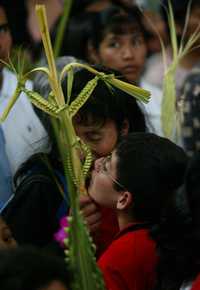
[[40, 164], [196, 283], [35, 184]]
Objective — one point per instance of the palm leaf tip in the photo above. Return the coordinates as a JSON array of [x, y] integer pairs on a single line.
[[137, 92]]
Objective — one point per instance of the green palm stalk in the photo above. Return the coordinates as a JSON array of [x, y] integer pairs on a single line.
[[80, 253], [169, 110]]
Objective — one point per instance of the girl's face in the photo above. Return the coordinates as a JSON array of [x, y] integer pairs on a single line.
[[123, 52]]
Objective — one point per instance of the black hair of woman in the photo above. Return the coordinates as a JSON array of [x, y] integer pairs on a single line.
[[178, 234]]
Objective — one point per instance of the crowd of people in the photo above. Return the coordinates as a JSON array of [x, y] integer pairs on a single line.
[[142, 207]]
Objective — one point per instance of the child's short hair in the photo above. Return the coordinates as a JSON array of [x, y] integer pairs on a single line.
[[151, 168], [106, 103]]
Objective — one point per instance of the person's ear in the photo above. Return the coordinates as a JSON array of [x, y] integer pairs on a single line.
[[93, 55], [125, 199], [125, 128]]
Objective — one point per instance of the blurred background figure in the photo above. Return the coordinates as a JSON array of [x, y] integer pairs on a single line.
[[190, 106], [5, 173], [24, 268], [22, 129], [178, 236], [155, 68]]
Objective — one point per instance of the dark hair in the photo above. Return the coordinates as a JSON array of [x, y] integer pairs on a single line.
[[178, 234], [106, 103], [192, 185], [115, 20], [151, 168], [3, 4], [30, 269], [76, 38]]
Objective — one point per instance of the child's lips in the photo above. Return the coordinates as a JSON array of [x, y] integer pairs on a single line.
[[130, 69]]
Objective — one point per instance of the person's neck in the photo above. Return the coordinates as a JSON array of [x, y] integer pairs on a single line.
[[124, 219], [190, 59]]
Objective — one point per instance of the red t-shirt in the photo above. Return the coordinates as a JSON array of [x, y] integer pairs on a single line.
[[129, 262], [196, 283], [108, 230]]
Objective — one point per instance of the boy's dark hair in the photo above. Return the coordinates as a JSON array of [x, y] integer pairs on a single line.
[[116, 20], [151, 168], [106, 103], [29, 269]]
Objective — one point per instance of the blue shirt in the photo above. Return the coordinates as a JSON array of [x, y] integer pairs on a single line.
[[5, 173]]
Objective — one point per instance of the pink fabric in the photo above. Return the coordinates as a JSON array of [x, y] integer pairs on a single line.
[[61, 234]]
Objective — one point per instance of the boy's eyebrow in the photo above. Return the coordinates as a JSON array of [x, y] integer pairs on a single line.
[[134, 34]]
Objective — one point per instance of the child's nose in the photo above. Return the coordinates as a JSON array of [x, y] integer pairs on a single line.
[[128, 52]]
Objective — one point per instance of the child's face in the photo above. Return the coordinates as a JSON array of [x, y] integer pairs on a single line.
[[6, 238], [125, 53], [101, 139], [102, 179]]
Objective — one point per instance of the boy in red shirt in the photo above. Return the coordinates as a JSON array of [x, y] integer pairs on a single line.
[[136, 180]]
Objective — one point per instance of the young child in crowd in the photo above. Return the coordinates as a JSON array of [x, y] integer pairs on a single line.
[[117, 40], [136, 180]]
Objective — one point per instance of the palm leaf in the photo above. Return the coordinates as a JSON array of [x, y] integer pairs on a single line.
[[169, 108]]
